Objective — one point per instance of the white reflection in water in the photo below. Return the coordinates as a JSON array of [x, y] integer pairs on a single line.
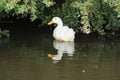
[[62, 48]]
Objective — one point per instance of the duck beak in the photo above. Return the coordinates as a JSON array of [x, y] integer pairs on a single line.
[[50, 55], [51, 22]]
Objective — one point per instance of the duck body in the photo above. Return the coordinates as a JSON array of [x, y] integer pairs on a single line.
[[62, 33]]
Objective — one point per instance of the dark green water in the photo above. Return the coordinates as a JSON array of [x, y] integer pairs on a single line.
[[86, 59]]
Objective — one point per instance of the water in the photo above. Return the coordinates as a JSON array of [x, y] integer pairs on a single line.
[[28, 58]]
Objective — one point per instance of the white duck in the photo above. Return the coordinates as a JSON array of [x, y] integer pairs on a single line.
[[62, 33]]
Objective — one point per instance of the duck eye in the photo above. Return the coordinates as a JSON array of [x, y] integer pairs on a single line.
[[55, 19]]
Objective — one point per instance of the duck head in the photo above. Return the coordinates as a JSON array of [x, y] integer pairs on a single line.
[[56, 20]]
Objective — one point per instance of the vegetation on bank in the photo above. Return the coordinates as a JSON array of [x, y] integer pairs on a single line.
[[102, 16]]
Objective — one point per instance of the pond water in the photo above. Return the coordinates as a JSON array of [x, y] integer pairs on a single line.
[[88, 58]]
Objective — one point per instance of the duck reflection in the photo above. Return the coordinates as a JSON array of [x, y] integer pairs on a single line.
[[62, 47]]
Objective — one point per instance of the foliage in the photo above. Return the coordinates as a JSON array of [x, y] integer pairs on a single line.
[[104, 17], [19, 7], [83, 8], [4, 33], [24, 8], [101, 15], [48, 3], [4, 39], [67, 13]]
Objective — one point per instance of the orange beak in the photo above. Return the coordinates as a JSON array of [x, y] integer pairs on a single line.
[[50, 55], [51, 22]]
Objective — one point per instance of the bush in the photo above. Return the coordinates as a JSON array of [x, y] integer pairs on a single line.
[[19, 8], [101, 15]]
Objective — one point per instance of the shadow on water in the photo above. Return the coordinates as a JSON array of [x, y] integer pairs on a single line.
[[25, 57]]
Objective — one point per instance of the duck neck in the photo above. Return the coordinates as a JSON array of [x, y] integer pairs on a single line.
[[60, 24]]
